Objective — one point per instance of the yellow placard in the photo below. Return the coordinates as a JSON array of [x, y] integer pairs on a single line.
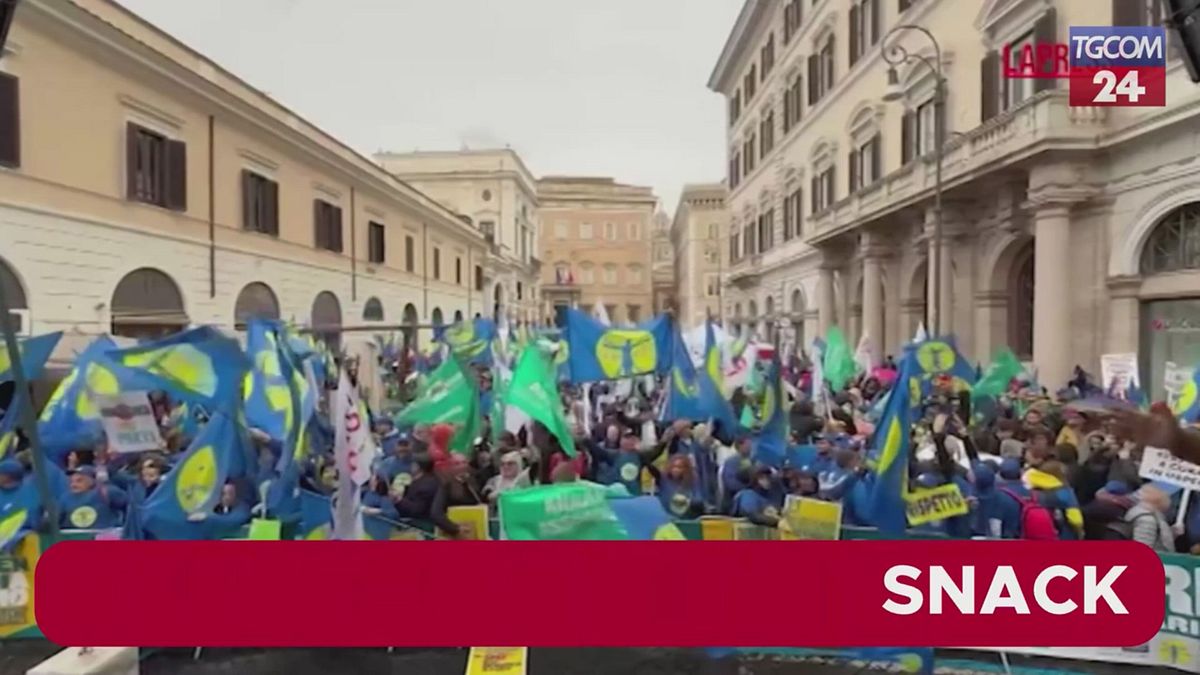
[[16, 586], [806, 518], [927, 505], [716, 528], [497, 660], [473, 520]]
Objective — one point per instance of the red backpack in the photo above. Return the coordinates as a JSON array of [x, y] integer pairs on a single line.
[[1037, 522]]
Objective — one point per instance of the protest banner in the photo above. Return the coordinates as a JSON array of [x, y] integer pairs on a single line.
[[471, 520], [1160, 465], [16, 588], [129, 422], [578, 511], [1118, 374], [497, 660], [1175, 378], [807, 518], [927, 505]]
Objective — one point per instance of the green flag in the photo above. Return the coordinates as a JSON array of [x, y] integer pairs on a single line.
[[534, 390], [568, 511], [838, 365], [448, 396], [500, 378], [998, 375]]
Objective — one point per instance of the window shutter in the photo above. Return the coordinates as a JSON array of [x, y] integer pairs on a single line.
[[854, 19], [816, 189], [1126, 13], [318, 225], [812, 80], [831, 186], [249, 207], [852, 161], [272, 208], [10, 120], [989, 72], [797, 212], [336, 226], [176, 183], [832, 62], [787, 111], [131, 156], [906, 137], [1046, 32], [876, 157], [875, 26]]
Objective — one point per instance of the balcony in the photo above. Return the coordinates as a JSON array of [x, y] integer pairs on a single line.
[[535, 265], [746, 271], [1043, 122]]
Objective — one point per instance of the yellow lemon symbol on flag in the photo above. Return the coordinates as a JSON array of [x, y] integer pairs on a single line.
[[910, 663], [1174, 652], [563, 353], [768, 403], [668, 532], [936, 357], [6, 442], [83, 517], [197, 480], [1187, 398], [59, 393], [622, 353], [712, 361], [914, 392], [891, 445], [319, 534], [280, 400], [461, 339], [5, 361], [183, 363], [98, 381], [689, 389], [11, 525]]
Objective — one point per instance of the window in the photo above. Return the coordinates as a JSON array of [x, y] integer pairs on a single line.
[[864, 28], [410, 254], [926, 127], [793, 14], [865, 163], [1017, 89], [1174, 243], [479, 277], [376, 252], [767, 134], [767, 56], [487, 195], [458, 271], [635, 275], [327, 226], [610, 232], [635, 313], [560, 230], [712, 285], [821, 70], [735, 107], [750, 84], [587, 273], [488, 228], [710, 254], [437, 263], [585, 230], [713, 231], [766, 230], [610, 310], [748, 154], [157, 168], [793, 102], [792, 205], [635, 232], [735, 169], [823, 189], [610, 274], [734, 244], [750, 238], [260, 204], [10, 120]]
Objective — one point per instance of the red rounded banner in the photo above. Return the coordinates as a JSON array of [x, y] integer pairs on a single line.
[[619, 594]]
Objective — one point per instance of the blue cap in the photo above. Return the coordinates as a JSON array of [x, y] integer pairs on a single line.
[[12, 468], [1116, 487], [87, 470], [1010, 468]]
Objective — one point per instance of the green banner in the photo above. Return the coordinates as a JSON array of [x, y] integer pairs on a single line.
[[571, 511]]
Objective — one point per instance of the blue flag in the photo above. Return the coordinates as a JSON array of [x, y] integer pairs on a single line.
[[770, 441], [72, 415], [276, 385], [599, 352], [939, 356], [34, 354], [194, 485], [316, 516], [470, 340], [683, 394], [892, 446], [1187, 406], [712, 387], [201, 365], [644, 518]]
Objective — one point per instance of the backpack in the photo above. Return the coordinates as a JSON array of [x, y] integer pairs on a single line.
[[1038, 522], [1122, 530]]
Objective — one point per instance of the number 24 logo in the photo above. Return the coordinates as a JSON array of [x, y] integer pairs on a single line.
[[1110, 89]]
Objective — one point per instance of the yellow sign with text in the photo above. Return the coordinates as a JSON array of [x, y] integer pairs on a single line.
[[498, 661], [806, 518], [927, 505], [16, 586], [471, 520]]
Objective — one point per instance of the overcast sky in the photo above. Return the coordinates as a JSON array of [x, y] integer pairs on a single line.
[[592, 87]]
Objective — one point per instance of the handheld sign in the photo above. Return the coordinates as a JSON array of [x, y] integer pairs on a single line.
[[129, 422]]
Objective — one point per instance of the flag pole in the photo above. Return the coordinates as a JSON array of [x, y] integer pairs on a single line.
[[28, 420]]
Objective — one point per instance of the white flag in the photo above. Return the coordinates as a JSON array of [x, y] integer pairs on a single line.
[[864, 355], [921, 335], [600, 313], [353, 451]]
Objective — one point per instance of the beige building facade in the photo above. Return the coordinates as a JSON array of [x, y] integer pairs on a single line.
[[597, 246], [663, 265], [495, 193], [1069, 232], [699, 236], [145, 189]]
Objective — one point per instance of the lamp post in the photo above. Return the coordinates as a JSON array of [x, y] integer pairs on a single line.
[[896, 54]]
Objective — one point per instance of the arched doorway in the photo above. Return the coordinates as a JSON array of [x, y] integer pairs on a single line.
[[458, 315], [327, 313], [17, 300], [410, 320], [497, 301], [1020, 304], [916, 307], [255, 301], [147, 304], [797, 319], [1170, 323], [435, 318], [373, 310]]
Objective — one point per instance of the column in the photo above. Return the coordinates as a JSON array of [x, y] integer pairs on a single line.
[[943, 314], [1123, 306], [872, 312], [1051, 294], [825, 309]]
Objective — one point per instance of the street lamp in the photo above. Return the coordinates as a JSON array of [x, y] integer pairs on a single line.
[[895, 54]]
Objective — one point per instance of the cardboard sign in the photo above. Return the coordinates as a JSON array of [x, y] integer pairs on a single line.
[[1160, 465], [129, 422], [498, 661], [471, 520], [262, 529], [939, 503], [16, 586], [1119, 374], [807, 518]]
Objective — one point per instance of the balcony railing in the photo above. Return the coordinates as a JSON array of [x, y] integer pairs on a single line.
[[1042, 122], [746, 270]]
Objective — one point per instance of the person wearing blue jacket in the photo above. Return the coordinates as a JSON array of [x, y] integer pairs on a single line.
[[757, 503], [17, 492], [998, 515], [89, 505], [228, 515], [1009, 479], [734, 472], [679, 490], [624, 465], [397, 467]]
